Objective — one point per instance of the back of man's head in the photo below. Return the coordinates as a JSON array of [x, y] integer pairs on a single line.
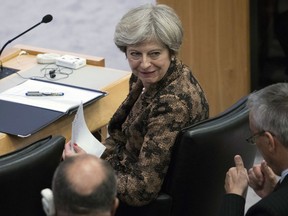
[[84, 185]]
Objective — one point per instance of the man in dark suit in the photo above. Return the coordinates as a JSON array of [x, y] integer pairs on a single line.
[[268, 117]]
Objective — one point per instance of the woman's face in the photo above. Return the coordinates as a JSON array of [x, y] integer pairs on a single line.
[[149, 61]]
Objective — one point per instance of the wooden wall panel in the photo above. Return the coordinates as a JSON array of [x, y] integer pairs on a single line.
[[216, 47]]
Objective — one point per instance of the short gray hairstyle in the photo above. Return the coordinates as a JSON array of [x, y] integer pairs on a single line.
[[269, 110], [149, 22]]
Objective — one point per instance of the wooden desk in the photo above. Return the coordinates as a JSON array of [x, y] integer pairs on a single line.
[[97, 114]]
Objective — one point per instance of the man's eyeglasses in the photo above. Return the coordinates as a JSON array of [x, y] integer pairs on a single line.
[[252, 139]]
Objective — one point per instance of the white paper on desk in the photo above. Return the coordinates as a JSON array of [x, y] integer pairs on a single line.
[[71, 98], [82, 136]]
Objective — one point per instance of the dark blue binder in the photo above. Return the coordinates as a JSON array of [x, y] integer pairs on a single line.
[[23, 120]]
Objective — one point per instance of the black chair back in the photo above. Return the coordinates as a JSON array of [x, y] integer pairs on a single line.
[[203, 154], [25, 172]]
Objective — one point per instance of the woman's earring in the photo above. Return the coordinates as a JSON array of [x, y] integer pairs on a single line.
[[173, 59]]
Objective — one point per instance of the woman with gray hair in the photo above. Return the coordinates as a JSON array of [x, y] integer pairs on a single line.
[[164, 97]]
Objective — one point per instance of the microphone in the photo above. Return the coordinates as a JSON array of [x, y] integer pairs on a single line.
[[46, 19]]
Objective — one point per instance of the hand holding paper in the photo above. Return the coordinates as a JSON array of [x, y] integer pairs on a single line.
[[83, 137]]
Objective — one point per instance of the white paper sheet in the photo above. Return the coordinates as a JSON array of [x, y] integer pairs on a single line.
[[82, 136]]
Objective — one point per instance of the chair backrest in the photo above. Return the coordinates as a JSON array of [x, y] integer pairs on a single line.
[[202, 155], [25, 172]]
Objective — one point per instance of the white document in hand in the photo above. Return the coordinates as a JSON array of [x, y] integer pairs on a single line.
[[82, 136]]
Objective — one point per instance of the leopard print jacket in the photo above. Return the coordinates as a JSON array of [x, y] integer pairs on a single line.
[[143, 130]]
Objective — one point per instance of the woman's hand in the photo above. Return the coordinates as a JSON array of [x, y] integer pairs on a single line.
[[72, 150]]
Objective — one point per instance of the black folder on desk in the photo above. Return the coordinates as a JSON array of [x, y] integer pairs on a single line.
[[24, 120]]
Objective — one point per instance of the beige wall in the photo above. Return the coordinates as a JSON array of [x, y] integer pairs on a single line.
[[216, 47]]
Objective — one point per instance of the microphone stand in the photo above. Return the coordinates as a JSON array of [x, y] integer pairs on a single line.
[[17, 37], [5, 71]]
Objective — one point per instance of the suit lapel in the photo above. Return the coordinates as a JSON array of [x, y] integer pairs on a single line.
[[282, 184]]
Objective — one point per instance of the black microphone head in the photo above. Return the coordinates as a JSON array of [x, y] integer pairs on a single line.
[[47, 18]]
